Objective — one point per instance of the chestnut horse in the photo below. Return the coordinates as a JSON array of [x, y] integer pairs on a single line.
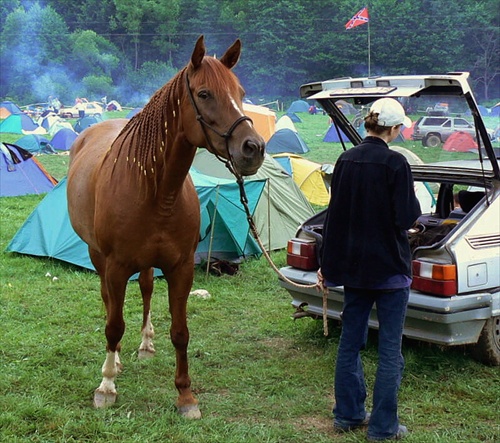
[[131, 199]]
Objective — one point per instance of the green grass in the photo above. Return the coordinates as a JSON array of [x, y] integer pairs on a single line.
[[259, 375]]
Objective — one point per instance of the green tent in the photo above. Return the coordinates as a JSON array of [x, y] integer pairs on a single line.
[[282, 207], [224, 233]]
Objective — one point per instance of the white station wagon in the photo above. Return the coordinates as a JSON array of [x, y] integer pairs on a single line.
[[455, 294]]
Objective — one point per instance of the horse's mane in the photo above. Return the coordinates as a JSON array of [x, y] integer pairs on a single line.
[[147, 135]]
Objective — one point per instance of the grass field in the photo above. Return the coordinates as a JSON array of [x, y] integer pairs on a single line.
[[260, 376]]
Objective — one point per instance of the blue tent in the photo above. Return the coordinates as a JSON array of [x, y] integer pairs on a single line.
[[17, 123], [294, 117], [132, 112], [298, 106], [332, 136], [36, 144], [286, 140], [495, 111], [224, 232], [11, 107], [63, 139], [85, 122], [20, 173]]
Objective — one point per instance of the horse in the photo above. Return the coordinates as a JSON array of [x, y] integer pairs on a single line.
[[131, 199]]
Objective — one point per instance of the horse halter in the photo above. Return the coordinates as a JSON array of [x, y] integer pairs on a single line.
[[226, 135]]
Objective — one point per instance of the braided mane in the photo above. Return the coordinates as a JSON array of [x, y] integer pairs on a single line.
[[146, 136]]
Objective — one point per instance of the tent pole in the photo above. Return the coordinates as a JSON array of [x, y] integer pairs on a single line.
[[212, 229], [269, 215]]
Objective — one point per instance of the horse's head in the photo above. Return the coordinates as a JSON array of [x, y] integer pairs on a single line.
[[215, 100]]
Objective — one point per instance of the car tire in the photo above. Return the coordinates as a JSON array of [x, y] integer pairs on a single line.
[[432, 141], [487, 348]]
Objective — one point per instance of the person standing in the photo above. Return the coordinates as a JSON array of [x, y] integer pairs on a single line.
[[80, 108], [365, 248]]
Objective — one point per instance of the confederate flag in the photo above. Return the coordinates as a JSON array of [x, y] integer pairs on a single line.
[[359, 19]]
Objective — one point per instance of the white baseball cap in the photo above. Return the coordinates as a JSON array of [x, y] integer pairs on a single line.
[[390, 113]]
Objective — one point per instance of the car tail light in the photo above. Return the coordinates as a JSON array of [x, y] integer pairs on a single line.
[[434, 278], [301, 253]]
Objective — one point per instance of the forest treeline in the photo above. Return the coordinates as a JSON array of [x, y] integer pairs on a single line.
[[126, 49]]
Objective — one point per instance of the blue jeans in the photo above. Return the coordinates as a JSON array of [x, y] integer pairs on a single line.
[[350, 388]]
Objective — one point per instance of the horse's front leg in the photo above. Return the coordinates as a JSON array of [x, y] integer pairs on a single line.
[[146, 349], [113, 286], [179, 285]]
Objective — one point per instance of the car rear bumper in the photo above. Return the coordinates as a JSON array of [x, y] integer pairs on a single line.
[[446, 321]]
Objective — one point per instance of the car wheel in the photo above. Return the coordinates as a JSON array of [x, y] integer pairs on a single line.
[[432, 141], [487, 348]]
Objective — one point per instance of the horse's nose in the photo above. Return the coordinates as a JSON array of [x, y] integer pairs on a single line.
[[254, 146]]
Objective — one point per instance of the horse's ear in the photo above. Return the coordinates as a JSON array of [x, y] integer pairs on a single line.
[[232, 55], [198, 52]]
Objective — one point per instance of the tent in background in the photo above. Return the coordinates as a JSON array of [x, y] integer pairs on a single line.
[[264, 119], [346, 107], [113, 105], [285, 122], [282, 207], [225, 232], [407, 132], [21, 174], [4, 113], [298, 106], [293, 117], [286, 140], [308, 175], [36, 144], [460, 142], [332, 136], [20, 124], [11, 107], [85, 122], [47, 119], [133, 112], [47, 232], [63, 139]]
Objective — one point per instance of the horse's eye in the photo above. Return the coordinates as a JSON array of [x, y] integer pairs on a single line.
[[203, 95]]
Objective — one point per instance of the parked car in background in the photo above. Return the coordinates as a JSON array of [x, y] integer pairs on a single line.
[[90, 108], [435, 130], [455, 294]]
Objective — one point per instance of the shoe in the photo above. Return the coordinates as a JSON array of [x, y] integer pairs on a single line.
[[351, 427], [399, 435]]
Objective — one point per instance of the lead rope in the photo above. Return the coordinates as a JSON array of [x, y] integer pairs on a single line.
[[244, 201], [253, 228]]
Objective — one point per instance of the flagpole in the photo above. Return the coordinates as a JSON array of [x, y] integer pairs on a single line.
[[369, 56]]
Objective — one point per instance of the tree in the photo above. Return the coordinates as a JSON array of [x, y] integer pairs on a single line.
[[32, 45]]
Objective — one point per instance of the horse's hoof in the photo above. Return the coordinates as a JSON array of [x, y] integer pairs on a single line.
[[104, 399], [191, 412], [145, 354]]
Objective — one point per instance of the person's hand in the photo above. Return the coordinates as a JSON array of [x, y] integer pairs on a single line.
[[320, 284]]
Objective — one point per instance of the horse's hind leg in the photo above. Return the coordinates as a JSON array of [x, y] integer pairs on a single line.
[[146, 349], [113, 286]]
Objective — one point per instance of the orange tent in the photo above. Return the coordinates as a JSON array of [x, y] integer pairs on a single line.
[[4, 113], [460, 142], [407, 132], [264, 119]]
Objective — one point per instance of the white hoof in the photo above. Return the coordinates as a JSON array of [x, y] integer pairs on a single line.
[[104, 399], [191, 412]]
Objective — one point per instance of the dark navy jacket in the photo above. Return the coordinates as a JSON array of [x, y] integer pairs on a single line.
[[372, 205]]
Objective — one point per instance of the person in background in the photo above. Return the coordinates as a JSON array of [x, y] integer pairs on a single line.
[[365, 248], [80, 108]]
